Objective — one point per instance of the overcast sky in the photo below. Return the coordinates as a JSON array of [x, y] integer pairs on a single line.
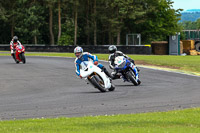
[[186, 4]]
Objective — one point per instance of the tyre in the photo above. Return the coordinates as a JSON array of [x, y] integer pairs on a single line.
[[197, 47], [98, 82], [23, 58], [112, 88], [132, 78], [139, 82]]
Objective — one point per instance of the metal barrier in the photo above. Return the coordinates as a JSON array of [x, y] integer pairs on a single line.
[[88, 48]]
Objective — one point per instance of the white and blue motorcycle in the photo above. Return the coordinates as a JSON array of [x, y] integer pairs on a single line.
[[127, 70]]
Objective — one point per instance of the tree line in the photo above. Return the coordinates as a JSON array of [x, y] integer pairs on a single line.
[[190, 25], [86, 22], [191, 16]]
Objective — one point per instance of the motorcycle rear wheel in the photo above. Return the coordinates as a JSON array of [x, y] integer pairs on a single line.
[[96, 82], [112, 88]]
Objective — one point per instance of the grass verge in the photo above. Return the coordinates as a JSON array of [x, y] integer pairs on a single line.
[[183, 121], [188, 63]]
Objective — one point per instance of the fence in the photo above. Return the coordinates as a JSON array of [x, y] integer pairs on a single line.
[[89, 48]]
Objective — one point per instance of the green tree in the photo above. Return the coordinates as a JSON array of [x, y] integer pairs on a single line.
[[32, 18], [198, 24], [93, 22], [162, 20], [124, 10]]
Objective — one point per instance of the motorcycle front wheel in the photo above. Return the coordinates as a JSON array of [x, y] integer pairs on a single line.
[[23, 58], [131, 76]]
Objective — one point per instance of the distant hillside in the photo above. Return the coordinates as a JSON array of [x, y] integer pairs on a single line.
[[190, 15], [192, 10]]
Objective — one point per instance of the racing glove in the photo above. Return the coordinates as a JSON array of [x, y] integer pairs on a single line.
[[96, 63]]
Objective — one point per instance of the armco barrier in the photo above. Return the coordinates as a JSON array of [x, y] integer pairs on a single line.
[[89, 48]]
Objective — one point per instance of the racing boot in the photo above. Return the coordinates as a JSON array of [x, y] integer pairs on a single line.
[[138, 69], [106, 72], [13, 55], [116, 75]]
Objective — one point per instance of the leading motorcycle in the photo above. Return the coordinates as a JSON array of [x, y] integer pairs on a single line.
[[95, 76]]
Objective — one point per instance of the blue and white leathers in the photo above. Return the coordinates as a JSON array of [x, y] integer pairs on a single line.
[[85, 57]]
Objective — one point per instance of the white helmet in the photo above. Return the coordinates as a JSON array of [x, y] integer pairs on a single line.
[[78, 50]]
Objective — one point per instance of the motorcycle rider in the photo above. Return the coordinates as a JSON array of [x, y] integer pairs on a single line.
[[85, 56], [13, 44], [114, 53]]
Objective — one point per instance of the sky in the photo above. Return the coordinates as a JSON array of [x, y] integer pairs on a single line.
[[186, 4]]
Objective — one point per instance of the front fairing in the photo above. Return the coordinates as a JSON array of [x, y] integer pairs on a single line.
[[123, 66], [84, 65], [20, 49]]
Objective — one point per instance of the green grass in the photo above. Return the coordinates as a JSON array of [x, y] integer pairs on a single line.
[[183, 121], [188, 63]]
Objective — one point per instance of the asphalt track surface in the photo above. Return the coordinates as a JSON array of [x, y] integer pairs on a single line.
[[48, 87]]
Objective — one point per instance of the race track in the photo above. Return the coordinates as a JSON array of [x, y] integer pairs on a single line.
[[48, 87]]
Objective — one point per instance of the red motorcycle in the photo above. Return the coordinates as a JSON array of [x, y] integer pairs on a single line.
[[19, 54]]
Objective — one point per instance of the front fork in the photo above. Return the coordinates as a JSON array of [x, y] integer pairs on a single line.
[[135, 71], [20, 56]]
